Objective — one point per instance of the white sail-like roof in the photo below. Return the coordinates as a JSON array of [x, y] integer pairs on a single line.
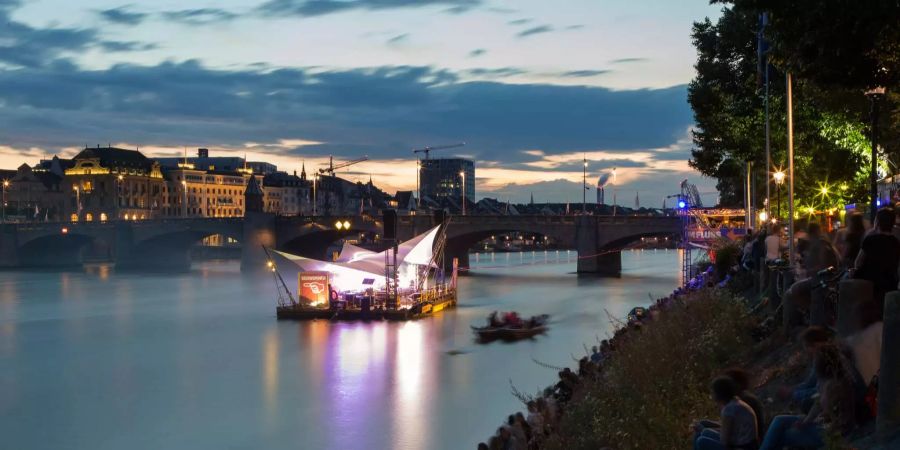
[[359, 264]]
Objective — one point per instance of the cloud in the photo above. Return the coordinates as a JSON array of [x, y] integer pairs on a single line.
[[310, 8], [398, 39], [127, 46], [122, 15], [535, 30], [201, 16], [575, 27], [477, 52], [583, 73], [22, 45], [499, 72], [627, 60], [518, 22]]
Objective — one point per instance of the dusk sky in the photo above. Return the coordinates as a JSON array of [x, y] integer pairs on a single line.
[[532, 86]]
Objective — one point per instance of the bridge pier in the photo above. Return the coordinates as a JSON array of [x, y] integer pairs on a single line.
[[259, 231], [592, 258], [9, 246]]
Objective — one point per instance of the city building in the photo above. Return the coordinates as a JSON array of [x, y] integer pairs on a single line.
[[286, 194], [446, 178], [113, 183], [220, 163], [192, 192], [33, 195]]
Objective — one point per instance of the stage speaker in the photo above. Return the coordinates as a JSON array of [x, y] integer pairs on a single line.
[[390, 223]]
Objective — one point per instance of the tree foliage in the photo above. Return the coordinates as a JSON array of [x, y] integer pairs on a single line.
[[830, 113]]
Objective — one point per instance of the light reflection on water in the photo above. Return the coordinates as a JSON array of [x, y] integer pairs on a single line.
[[105, 360]]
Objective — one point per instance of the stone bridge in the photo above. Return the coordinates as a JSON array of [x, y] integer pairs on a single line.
[[166, 244]]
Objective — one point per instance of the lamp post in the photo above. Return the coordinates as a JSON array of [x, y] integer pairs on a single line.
[[5, 185], [77, 200], [779, 180], [462, 175], [418, 183], [184, 195], [584, 186], [615, 187], [315, 182], [875, 95], [119, 201]]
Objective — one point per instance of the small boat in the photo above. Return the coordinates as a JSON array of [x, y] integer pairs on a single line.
[[529, 329]]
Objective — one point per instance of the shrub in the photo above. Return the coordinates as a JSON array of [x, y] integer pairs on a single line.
[[657, 382]]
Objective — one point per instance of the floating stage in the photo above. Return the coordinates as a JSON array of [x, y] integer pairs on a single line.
[[404, 282], [424, 309]]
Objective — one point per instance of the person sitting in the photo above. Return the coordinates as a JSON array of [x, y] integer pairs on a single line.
[[851, 239], [802, 394], [596, 357], [737, 422], [742, 380], [818, 255], [879, 257], [834, 410], [493, 322], [535, 421], [774, 243]]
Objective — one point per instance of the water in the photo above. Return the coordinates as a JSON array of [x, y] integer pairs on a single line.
[[103, 360]]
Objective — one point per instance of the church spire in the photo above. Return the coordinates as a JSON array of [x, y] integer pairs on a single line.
[[303, 171]]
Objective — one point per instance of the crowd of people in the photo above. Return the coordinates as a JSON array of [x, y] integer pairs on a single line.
[[871, 254], [833, 399], [836, 397]]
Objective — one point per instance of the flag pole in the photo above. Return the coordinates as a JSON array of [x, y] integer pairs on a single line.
[[790, 142]]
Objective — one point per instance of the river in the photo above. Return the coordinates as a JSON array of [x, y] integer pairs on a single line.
[[96, 359]]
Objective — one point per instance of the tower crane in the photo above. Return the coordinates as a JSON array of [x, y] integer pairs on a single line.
[[332, 167], [426, 150]]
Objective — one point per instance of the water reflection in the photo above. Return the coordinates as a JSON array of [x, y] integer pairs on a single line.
[[198, 360]]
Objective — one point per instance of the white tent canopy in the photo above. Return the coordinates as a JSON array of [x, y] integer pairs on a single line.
[[356, 266]]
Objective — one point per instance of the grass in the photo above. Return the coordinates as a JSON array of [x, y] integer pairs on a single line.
[[657, 381]]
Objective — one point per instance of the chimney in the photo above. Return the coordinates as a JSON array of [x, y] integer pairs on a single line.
[[203, 153]]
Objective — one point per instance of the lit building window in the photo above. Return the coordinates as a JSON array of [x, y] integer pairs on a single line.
[[103, 217], [88, 217], [74, 217]]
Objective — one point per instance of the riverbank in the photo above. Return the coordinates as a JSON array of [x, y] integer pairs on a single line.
[[654, 382]]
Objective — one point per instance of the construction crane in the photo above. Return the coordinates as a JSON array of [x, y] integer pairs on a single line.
[[332, 167], [427, 150]]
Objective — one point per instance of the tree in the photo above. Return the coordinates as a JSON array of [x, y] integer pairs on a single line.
[[728, 103]]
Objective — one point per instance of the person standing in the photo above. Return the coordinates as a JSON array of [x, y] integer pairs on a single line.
[[879, 257]]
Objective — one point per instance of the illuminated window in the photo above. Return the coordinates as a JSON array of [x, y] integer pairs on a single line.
[[88, 217], [74, 217], [103, 217], [88, 186]]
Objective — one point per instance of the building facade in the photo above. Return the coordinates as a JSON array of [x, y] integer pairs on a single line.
[[446, 178], [192, 192], [112, 183]]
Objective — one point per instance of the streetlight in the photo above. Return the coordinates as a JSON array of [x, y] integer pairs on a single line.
[[462, 175], [184, 194], [5, 185], [315, 182], [119, 201], [779, 180], [875, 95], [77, 200], [584, 186]]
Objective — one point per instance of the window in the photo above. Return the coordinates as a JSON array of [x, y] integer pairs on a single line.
[[88, 217], [74, 217], [103, 217]]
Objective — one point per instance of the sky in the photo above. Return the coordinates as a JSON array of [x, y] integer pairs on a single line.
[[532, 87]]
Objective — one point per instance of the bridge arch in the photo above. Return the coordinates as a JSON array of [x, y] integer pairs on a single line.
[[171, 250], [64, 248]]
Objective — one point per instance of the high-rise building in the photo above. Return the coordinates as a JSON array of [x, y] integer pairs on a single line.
[[440, 179]]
